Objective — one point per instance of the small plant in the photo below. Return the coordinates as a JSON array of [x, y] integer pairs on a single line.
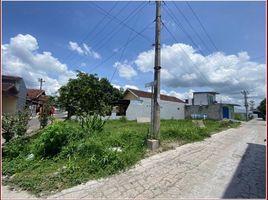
[[123, 119], [92, 123]]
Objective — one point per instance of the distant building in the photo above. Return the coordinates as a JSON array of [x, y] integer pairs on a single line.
[[13, 94], [35, 99], [204, 105], [136, 104]]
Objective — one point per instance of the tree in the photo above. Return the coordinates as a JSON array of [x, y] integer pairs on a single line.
[[87, 94], [262, 107]]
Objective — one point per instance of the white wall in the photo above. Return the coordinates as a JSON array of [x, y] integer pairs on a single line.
[[142, 108]]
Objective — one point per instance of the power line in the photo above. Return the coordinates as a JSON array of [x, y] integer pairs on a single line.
[[188, 22], [123, 46], [208, 36], [181, 27], [194, 65], [116, 30], [106, 25], [178, 23], [123, 51], [121, 22], [69, 56]]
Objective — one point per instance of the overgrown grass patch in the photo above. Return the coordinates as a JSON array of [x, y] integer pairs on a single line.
[[64, 155]]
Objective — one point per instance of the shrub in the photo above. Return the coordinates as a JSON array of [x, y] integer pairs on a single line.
[[123, 119], [92, 123], [237, 116], [54, 137], [15, 147], [15, 124]]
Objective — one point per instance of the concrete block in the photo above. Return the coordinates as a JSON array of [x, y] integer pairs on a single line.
[[153, 144]]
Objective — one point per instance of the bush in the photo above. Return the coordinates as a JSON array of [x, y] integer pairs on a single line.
[[54, 137], [15, 147], [15, 124], [123, 119], [92, 123]]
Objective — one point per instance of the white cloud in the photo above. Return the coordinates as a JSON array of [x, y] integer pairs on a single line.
[[75, 47], [115, 50], [83, 64], [227, 74], [131, 87], [84, 50], [125, 86], [180, 95], [125, 70], [21, 58]]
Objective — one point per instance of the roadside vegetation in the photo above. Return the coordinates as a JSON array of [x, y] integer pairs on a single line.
[[68, 153]]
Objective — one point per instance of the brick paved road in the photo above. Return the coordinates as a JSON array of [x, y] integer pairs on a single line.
[[230, 164]]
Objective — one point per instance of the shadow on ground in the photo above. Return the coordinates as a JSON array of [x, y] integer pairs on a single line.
[[249, 180]]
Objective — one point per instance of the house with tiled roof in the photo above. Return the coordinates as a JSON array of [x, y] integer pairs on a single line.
[[13, 94], [136, 104], [35, 99], [35, 96]]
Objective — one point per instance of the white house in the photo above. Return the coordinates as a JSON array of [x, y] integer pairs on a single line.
[[204, 98], [137, 104]]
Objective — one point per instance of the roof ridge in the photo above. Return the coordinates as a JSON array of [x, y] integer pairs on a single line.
[[161, 95]]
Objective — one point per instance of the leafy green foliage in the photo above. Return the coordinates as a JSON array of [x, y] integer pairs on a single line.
[[262, 107], [15, 147], [123, 119], [79, 156], [87, 93], [15, 124], [54, 137], [91, 123]]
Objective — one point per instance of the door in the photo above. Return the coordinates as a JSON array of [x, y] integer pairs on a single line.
[[225, 112]]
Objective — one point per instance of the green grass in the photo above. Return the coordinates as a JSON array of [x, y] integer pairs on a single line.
[[66, 156]]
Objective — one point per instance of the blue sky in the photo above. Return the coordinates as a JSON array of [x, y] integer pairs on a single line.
[[65, 28]]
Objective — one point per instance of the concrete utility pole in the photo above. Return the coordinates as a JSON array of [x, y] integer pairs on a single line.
[[245, 93], [41, 82], [251, 103], [157, 67]]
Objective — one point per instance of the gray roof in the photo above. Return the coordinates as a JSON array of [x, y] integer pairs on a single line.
[[206, 93]]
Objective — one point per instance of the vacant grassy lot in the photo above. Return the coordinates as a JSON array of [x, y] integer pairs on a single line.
[[64, 155]]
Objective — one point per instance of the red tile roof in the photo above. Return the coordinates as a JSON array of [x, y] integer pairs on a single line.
[[163, 97], [34, 93]]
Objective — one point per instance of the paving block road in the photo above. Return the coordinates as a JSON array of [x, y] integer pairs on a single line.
[[230, 164]]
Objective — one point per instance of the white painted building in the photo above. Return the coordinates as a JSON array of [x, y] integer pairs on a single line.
[[204, 98], [136, 105]]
